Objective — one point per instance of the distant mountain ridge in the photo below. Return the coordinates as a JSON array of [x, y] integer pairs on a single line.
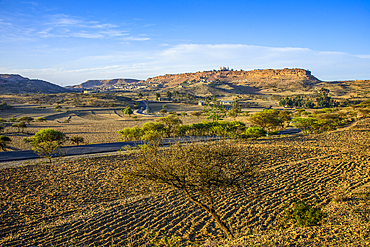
[[11, 83], [105, 83]]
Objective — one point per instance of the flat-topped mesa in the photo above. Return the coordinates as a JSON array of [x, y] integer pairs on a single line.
[[259, 76]]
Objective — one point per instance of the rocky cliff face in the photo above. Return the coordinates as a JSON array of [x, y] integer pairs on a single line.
[[20, 84], [265, 77]]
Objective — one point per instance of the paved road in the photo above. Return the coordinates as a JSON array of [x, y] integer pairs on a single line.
[[111, 147], [97, 148]]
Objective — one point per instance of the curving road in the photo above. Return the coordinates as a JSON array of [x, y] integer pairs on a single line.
[[99, 148]]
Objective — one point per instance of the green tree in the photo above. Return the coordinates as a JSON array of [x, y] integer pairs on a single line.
[[4, 140], [46, 142], [140, 94], [200, 172], [127, 111], [307, 125], [286, 117], [169, 95], [235, 110], [157, 96], [214, 109]]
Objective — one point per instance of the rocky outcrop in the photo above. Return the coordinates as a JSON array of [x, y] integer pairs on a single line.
[[258, 77], [19, 84]]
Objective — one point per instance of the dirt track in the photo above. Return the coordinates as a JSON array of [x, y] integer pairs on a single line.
[[81, 203]]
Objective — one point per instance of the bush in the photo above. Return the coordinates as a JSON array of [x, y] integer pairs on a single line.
[[25, 119], [303, 214], [4, 140], [20, 126], [131, 134], [254, 132], [77, 140], [40, 119], [170, 123]]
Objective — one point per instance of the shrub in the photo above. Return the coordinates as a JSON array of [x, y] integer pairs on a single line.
[[153, 130], [196, 113], [131, 134], [41, 119], [77, 139], [4, 140], [25, 119], [303, 214], [163, 111], [254, 132], [170, 122], [20, 126]]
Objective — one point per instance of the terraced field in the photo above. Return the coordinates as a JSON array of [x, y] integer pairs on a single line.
[[82, 203]]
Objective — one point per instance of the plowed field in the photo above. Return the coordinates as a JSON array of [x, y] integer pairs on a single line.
[[81, 202]]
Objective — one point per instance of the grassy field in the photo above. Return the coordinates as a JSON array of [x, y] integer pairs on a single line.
[[81, 202]]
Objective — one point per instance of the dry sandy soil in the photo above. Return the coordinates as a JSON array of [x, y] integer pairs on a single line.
[[81, 203]]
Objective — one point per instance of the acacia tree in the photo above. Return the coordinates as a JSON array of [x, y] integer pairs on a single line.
[[307, 125], [46, 142], [201, 172], [269, 118]]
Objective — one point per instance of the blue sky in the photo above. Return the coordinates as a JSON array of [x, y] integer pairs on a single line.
[[68, 42]]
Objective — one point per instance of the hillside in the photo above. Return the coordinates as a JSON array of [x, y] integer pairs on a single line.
[[20, 84], [106, 84]]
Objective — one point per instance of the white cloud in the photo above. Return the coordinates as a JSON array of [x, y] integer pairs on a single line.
[[60, 26], [136, 38]]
